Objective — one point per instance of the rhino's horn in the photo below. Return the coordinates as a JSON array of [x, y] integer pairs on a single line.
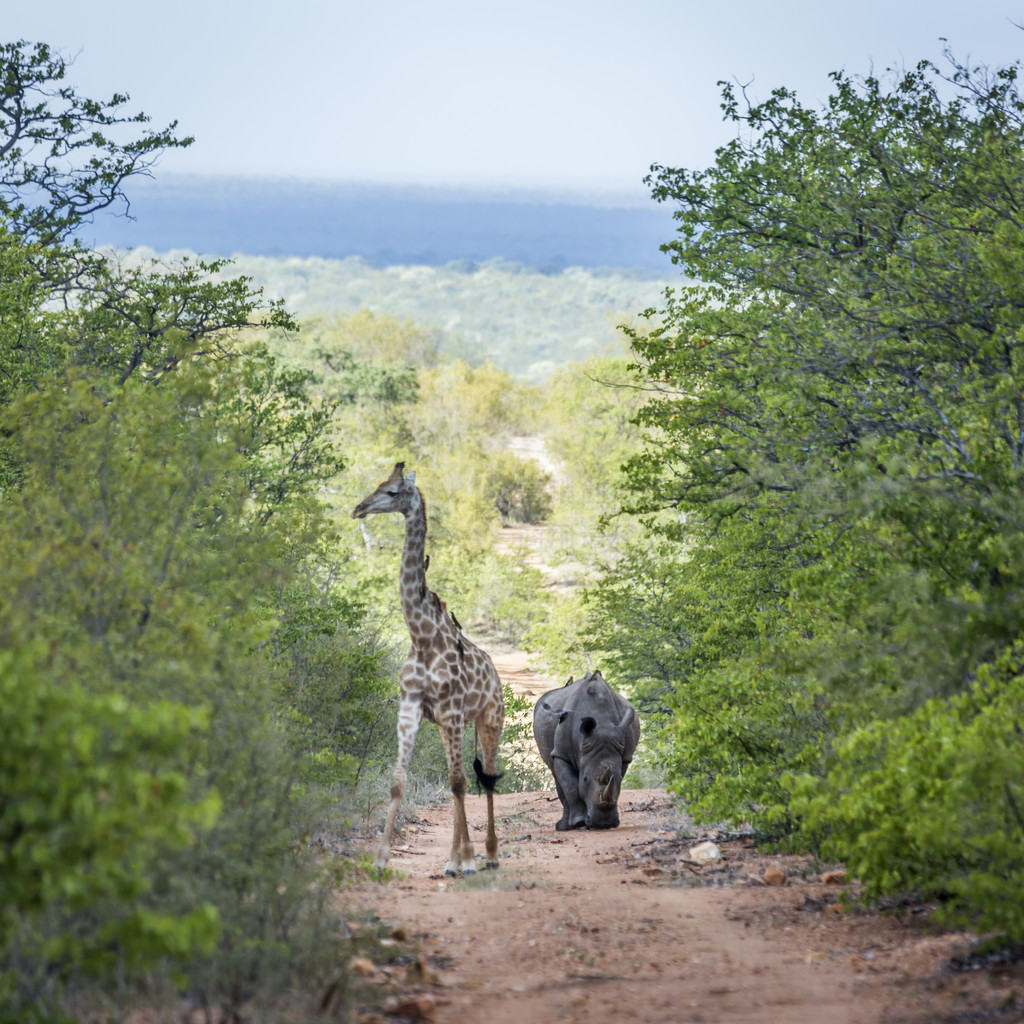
[[627, 717]]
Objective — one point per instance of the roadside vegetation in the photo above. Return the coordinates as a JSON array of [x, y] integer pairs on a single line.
[[792, 509], [828, 591]]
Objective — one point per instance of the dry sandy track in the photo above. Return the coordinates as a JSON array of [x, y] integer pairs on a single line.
[[606, 927]]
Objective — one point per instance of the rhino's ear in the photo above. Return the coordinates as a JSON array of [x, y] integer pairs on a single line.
[[568, 681], [561, 715], [627, 717], [410, 478], [588, 725]]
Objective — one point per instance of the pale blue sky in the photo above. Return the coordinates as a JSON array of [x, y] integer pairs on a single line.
[[565, 94]]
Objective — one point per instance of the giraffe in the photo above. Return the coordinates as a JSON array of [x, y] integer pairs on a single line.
[[446, 679]]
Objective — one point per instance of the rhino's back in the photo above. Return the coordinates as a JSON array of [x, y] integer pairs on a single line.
[[592, 696], [546, 712], [589, 696], [598, 700]]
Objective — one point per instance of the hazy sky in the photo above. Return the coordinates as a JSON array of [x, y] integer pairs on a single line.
[[567, 94]]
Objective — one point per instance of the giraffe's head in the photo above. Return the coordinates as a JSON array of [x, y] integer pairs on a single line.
[[396, 494]]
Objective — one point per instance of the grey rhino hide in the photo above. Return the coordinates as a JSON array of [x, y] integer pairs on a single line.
[[587, 735]]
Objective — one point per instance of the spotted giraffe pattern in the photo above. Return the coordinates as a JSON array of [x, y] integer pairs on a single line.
[[446, 679]]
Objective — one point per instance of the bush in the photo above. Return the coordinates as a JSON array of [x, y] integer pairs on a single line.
[[934, 802], [93, 794], [334, 694], [131, 554], [520, 489], [521, 764]]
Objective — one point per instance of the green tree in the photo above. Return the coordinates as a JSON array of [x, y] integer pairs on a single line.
[[376, 337], [833, 448], [589, 433], [148, 319], [63, 157], [339, 681], [932, 802], [521, 489], [159, 496], [462, 406], [133, 560], [589, 412], [284, 434]]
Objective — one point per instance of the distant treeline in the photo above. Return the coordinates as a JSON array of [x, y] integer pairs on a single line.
[[385, 224], [525, 320]]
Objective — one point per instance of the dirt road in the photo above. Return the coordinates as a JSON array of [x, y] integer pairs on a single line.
[[615, 926]]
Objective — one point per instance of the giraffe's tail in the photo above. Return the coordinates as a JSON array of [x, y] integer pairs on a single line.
[[488, 782]]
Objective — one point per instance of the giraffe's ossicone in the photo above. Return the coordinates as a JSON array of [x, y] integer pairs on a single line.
[[446, 679]]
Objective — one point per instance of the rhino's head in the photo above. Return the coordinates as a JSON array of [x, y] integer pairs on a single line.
[[601, 767]]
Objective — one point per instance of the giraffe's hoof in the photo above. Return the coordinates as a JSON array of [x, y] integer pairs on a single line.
[[492, 865]]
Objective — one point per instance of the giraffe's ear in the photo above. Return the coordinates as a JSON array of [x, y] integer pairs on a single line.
[[410, 478]]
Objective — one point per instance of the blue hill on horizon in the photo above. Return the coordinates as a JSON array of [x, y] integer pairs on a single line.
[[386, 225]]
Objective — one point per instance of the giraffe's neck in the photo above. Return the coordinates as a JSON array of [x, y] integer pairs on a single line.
[[416, 604]]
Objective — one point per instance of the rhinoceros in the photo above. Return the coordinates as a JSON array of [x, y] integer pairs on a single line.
[[587, 735]]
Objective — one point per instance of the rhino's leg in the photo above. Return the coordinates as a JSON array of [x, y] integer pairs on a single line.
[[563, 824], [567, 783]]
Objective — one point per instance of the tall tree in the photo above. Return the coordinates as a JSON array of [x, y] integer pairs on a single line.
[[63, 156], [836, 431], [158, 495]]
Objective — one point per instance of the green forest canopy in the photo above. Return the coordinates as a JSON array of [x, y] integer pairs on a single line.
[[523, 319]]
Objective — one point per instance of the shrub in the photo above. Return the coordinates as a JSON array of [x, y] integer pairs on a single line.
[[934, 802], [93, 792], [519, 488]]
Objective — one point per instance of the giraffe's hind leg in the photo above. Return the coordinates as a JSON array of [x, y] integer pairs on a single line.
[[461, 859], [488, 728]]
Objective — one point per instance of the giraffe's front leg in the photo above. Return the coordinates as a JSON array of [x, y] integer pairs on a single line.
[[409, 713]]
